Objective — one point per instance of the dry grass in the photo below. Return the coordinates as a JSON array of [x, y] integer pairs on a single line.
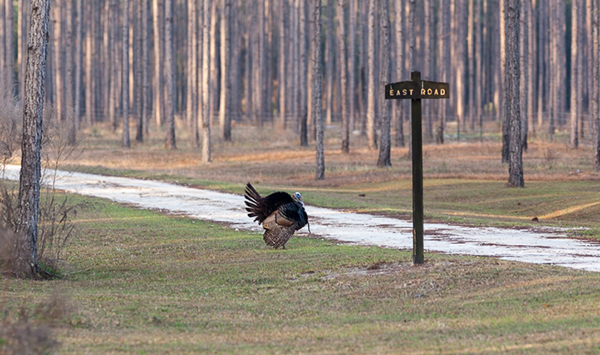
[[275, 158], [147, 283]]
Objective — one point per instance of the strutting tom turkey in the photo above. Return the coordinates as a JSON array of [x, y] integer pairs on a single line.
[[279, 213]]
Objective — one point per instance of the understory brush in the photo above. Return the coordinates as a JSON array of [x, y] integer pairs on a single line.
[[27, 330]]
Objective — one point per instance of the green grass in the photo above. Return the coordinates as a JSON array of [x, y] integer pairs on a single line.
[[144, 283]]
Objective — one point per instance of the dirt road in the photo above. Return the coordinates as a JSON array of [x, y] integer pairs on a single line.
[[539, 245]]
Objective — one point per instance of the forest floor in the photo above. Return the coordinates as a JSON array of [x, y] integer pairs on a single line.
[[140, 281]]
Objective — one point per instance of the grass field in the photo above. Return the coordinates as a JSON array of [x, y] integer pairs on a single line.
[[145, 283], [141, 282]]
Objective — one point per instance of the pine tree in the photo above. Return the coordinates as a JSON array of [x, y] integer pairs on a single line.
[[317, 90], [33, 109], [512, 9]]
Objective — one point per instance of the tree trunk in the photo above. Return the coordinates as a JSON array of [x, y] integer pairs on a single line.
[[58, 61], [138, 66], [524, 74], [3, 51], [588, 80], [69, 72], [575, 82], [170, 76], [9, 42], [329, 62], [146, 94], [596, 81], [158, 64], [542, 65], [471, 64], [293, 72], [78, 72], [385, 146], [225, 105], [343, 79], [351, 64], [511, 79], [302, 86], [258, 62], [460, 23], [206, 146], [214, 60], [282, 74], [317, 87], [399, 60], [125, 73], [500, 89], [114, 70], [236, 60], [106, 59], [33, 112], [553, 100], [429, 44], [21, 49], [371, 82], [443, 30], [90, 54], [192, 72], [531, 66], [478, 83]]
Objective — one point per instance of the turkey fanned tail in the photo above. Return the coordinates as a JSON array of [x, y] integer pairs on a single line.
[[279, 214]]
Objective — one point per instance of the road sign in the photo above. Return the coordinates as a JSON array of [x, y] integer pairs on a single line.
[[417, 89]]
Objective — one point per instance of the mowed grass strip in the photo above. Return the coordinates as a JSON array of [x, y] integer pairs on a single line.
[[142, 282]]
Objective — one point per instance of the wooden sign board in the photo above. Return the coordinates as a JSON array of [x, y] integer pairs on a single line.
[[417, 90]]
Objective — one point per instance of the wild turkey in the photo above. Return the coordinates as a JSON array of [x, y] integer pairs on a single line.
[[279, 213]]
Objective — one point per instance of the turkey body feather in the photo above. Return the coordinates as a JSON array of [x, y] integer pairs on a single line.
[[279, 213]]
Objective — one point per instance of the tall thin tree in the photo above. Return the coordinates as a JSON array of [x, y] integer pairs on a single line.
[[90, 54], [512, 9], [58, 60], [2, 39], [317, 90], [443, 38], [170, 76], [524, 67], [302, 87], [9, 40], [385, 145], [157, 80], [225, 105], [596, 81], [146, 69], [33, 112], [575, 84], [343, 58], [78, 70], [69, 67], [399, 61], [125, 73], [138, 66], [114, 69], [206, 144], [351, 63], [192, 72], [329, 60], [371, 80], [281, 74]]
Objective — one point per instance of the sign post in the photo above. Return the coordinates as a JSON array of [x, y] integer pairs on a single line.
[[417, 89]]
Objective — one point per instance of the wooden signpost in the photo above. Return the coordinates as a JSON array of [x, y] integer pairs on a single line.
[[417, 89]]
